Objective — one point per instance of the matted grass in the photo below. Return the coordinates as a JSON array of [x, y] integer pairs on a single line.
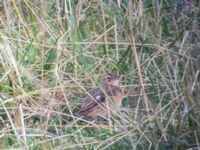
[[53, 52]]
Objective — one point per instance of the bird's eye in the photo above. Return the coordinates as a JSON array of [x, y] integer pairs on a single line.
[[108, 77]]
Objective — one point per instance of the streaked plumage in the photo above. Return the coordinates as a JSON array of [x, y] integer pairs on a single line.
[[103, 100]]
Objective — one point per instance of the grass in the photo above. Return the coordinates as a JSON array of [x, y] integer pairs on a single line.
[[53, 52]]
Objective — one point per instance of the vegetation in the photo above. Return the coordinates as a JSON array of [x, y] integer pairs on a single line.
[[52, 52]]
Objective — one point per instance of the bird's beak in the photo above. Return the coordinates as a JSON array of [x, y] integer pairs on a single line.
[[120, 77]]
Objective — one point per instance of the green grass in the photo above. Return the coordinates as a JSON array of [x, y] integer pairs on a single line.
[[52, 52]]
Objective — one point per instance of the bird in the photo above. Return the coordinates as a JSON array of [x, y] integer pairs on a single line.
[[103, 100]]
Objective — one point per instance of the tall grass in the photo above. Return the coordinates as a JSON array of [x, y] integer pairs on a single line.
[[53, 52]]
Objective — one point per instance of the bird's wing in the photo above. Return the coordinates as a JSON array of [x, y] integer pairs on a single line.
[[95, 97]]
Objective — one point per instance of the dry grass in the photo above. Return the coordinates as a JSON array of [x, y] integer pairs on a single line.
[[53, 52]]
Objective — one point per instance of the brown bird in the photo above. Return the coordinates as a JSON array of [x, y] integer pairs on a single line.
[[104, 100]]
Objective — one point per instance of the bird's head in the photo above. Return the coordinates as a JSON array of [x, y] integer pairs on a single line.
[[111, 79]]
